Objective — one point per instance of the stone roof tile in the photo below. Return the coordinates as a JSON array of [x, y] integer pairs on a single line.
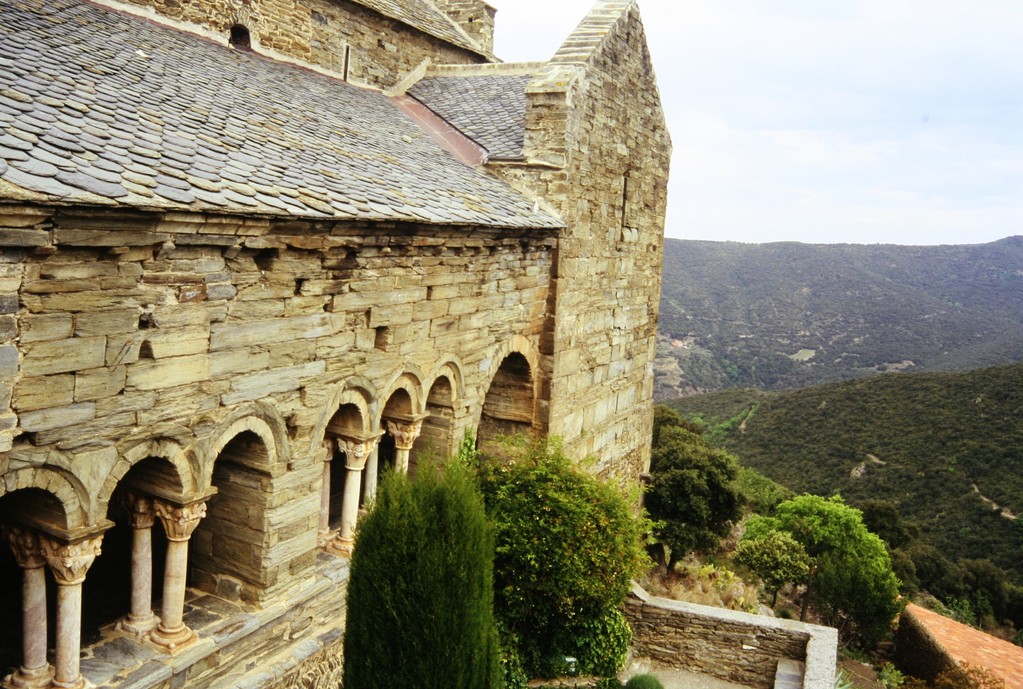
[[129, 112], [427, 17], [490, 109]]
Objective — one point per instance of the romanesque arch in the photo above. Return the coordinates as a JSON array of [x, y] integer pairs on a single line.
[[438, 438], [509, 407]]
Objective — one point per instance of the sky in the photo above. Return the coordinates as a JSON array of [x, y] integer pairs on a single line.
[[826, 121]]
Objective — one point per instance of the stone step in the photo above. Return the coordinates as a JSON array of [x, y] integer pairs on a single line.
[[789, 674]]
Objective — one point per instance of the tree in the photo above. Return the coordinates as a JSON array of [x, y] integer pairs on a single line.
[[420, 596], [851, 582], [776, 558], [693, 496], [567, 547]]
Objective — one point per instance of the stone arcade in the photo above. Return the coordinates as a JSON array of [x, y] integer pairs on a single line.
[[255, 252]]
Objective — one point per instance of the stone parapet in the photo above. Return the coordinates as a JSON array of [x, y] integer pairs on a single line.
[[734, 646]]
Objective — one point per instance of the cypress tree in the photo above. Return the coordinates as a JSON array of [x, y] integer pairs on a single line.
[[420, 595]]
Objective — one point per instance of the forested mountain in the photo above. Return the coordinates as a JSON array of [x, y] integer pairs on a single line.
[[786, 315], [946, 449]]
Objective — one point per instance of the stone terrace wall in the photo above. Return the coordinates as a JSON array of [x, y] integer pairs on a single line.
[[380, 50], [734, 646], [598, 149]]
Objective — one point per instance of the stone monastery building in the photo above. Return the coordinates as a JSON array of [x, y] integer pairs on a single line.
[[254, 252]]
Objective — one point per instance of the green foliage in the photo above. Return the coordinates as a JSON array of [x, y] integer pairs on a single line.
[[609, 683], [776, 558], [843, 680], [645, 681], [851, 582], [892, 439], [600, 646], [420, 596], [890, 677], [692, 494], [967, 676], [760, 493], [567, 547]]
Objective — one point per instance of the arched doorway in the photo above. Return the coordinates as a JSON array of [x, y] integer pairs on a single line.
[[435, 442], [229, 545], [509, 404], [108, 591], [30, 589]]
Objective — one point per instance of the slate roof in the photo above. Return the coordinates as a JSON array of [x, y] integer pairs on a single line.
[[97, 106], [425, 16], [489, 109]]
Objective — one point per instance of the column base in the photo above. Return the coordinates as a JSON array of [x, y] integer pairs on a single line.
[[79, 683], [171, 641], [23, 678], [341, 546], [139, 626]]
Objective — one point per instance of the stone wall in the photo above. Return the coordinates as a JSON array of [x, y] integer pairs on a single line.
[[475, 16], [344, 38], [733, 646], [224, 346], [598, 150]]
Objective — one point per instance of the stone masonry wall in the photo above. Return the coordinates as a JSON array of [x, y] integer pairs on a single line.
[[733, 646], [333, 34], [129, 335], [598, 149]]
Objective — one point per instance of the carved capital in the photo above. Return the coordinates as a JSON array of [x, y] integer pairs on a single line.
[[356, 451], [70, 561], [25, 545], [179, 522], [141, 512], [404, 432]]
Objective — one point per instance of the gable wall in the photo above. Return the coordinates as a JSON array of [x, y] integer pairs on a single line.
[[382, 49], [593, 120]]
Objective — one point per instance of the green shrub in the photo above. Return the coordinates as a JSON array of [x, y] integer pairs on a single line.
[[599, 645], [420, 595], [567, 547], [646, 681], [609, 683]]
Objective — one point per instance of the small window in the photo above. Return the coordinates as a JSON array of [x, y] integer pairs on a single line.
[[240, 37]]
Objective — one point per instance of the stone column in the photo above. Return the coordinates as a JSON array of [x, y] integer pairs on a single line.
[[179, 521], [141, 516], [357, 451], [404, 432], [69, 562], [34, 672], [370, 475], [323, 533]]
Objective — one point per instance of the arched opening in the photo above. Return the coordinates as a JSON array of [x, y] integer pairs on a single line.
[[346, 423], [240, 37], [24, 508], [106, 595], [398, 407], [508, 407], [435, 441], [228, 546]]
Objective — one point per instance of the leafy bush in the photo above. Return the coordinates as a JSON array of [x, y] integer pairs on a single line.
[[851, 582], [890, 677], [600, 645], [776, 558], [420, 595], [567, 547], [645, 681], [692, 492]]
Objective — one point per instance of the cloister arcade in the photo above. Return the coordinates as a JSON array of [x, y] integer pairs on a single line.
[[215, 512]]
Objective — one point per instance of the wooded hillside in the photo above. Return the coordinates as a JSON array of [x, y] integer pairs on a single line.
[[945, 448], [787, 315]]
